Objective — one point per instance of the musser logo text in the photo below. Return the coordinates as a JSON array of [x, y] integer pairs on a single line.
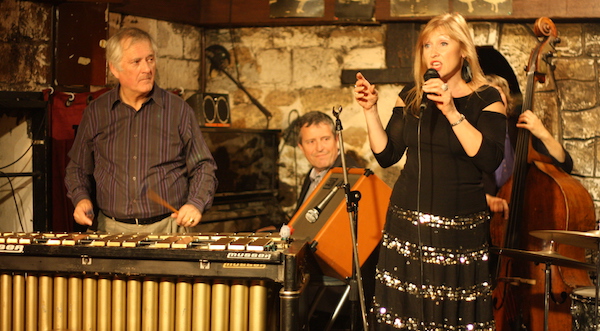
[[249, 255], [11, 248]]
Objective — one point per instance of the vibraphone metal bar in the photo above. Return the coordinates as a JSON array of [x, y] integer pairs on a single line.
[[85, 281]]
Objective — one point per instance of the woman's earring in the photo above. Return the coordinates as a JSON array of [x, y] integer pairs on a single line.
[[466, 73]]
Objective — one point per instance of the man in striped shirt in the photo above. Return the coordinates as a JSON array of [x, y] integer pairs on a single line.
[[135, 139]]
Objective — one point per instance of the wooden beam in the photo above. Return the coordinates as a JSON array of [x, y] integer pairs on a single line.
[[378, 76], [399, 49], [80, 28], [182, 11], [257, 13], [242, 13]]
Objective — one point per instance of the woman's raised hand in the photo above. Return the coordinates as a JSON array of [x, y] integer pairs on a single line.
[[364, 92]]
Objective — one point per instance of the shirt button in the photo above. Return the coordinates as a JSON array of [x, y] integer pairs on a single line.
[[135, 157], [134, 178], [135, 135]]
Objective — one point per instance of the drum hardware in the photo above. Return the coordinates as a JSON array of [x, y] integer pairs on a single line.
[[548, 257], [545, 256], [515, 281], [587, 239], [582, 304]]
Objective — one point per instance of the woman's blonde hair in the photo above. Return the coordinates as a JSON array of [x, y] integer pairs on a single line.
[[500, 82], [457, 29]]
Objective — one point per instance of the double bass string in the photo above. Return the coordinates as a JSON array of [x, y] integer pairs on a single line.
[[519, 171]]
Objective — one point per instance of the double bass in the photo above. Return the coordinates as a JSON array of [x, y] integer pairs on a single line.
[[541, 196]]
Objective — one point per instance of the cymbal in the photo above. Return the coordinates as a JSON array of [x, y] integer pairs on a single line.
[[588, 239], [546, 257]]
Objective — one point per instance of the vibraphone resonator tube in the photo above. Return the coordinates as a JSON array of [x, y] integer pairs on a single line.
[[92, 281]]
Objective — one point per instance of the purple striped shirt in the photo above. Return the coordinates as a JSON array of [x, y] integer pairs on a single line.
[[128, 152]]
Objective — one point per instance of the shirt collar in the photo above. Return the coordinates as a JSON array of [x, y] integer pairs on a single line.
[[154, 96], [317, 175], [314, 174]]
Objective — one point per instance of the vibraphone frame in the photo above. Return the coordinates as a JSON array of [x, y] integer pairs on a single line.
[[286, 267]]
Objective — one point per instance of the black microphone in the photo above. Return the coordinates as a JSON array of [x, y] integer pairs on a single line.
[[429, 74], [313, 214]]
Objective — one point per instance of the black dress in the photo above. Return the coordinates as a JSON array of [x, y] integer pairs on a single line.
[[438, 203]]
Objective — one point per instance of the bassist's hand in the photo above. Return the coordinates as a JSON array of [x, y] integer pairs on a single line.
[[497, 205]]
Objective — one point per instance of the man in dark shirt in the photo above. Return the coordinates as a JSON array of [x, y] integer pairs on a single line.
[[135, 139]]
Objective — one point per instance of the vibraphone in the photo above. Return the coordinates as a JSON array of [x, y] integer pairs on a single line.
[[92, 281]]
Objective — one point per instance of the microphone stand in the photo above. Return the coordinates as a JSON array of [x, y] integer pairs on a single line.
[[357, 293]]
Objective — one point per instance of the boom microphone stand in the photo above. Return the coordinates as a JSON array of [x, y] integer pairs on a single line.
[[352, 197]]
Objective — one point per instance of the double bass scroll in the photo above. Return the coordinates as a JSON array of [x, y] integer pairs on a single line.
[[541, 197]]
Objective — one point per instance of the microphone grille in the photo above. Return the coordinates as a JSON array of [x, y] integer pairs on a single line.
[[431, 73], [312, 215]]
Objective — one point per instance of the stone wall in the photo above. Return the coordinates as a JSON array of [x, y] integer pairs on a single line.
[[25, 45], [293, 70], [577, 78], [25, 65], [179, 51]]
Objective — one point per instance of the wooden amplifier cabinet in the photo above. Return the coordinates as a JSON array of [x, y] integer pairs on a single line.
[[330, 235]]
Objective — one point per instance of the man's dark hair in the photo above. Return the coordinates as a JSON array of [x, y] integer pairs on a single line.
[[312, 118]]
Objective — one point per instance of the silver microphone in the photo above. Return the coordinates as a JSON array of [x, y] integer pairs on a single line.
[[313, 214]]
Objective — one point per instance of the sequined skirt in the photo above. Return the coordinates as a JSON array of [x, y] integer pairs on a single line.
[[433, 273]]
